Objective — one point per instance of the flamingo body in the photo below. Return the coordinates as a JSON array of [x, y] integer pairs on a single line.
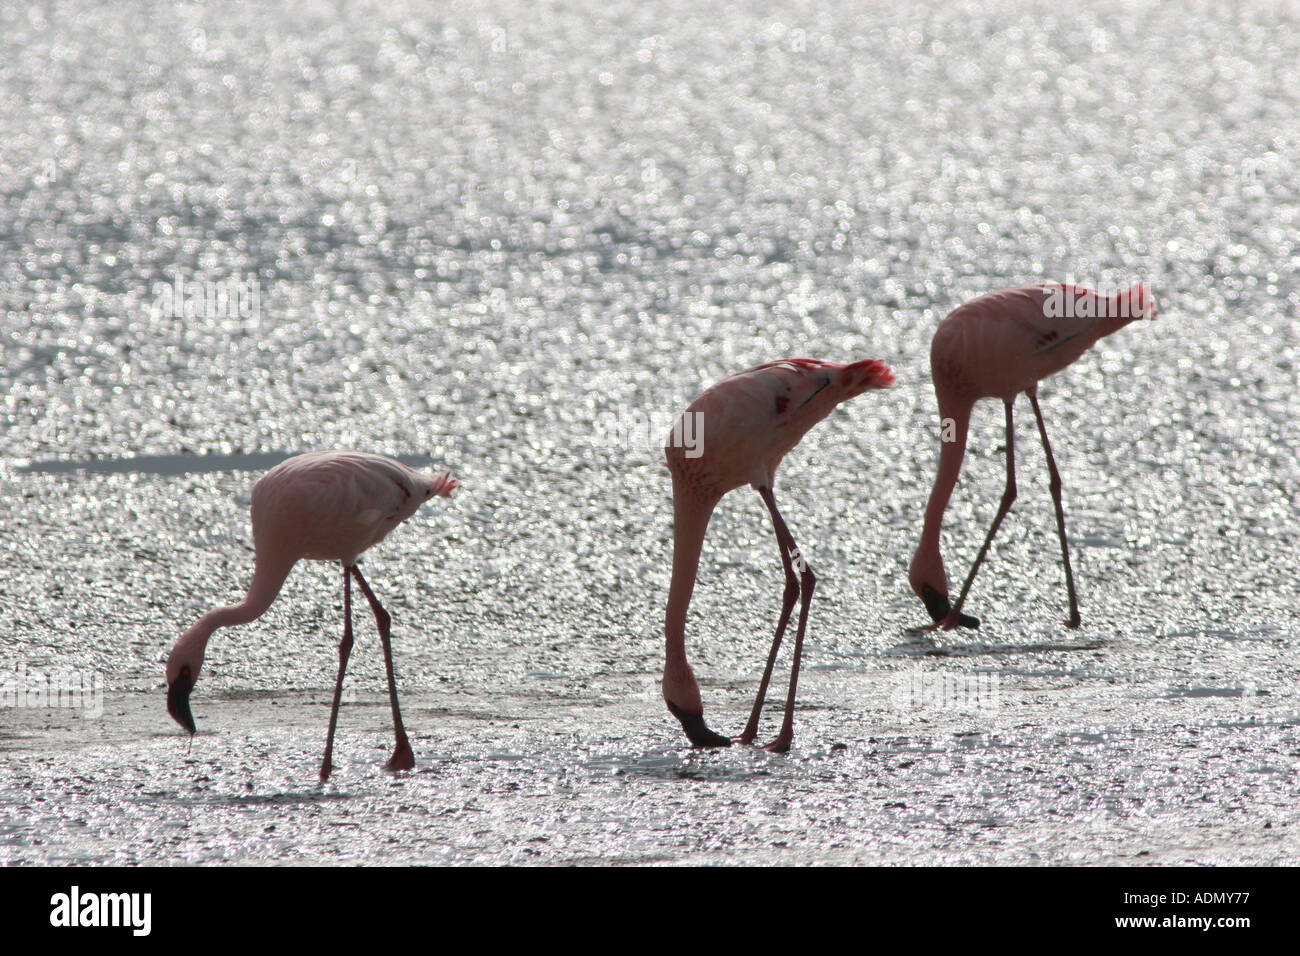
[[332, 506], [1006, 342], [998, 346], [325, 506], [745, 425]]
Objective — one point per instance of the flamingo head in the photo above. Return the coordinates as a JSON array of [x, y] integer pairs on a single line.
[[182, 673], [929, 582]]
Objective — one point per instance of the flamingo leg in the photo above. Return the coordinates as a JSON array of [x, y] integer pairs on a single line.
[[1055, 485], [807, 581], [345, 650], [1008, 496], [403, 758], [787, 607]]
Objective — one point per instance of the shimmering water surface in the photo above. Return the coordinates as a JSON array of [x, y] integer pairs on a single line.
[[488, 236]]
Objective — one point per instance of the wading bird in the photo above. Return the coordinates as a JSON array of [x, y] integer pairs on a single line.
[[998, 346], [742, 428], [325, 506]]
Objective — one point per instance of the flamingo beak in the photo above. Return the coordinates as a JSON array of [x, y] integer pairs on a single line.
[[940, 607], [178, 700], [696, 730]]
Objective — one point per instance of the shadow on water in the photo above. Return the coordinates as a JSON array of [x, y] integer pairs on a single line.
[[728, 765], [179, 464], [270, 799], [1173, 693], [919, 643]]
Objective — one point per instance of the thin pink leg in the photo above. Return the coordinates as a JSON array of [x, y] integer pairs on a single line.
[[787, 607], [345, 649], [1054, 478], [403, 758], [1008, 496], [803, 587]]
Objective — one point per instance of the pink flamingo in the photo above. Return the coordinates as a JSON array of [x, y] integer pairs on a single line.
[[736, 433], [326, 506], [997, 346]]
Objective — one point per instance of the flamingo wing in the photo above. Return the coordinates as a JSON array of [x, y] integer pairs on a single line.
[[1046, 317], [770, 395], [1057, 314], [381, 492]]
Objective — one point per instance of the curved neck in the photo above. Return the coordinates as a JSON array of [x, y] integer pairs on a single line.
[[690, 521], [268, 577], [954, 424]]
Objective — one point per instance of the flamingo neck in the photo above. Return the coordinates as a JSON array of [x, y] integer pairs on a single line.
[[690, 521], [955, 422], [268, 577]]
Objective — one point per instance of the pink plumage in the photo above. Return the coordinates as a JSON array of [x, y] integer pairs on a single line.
[[333, 505], [998, 346], [326, 506], [741, 429]]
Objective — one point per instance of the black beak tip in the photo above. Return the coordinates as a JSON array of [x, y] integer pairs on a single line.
[[937, 604], [696, 730], [940, 607], [178, 700]]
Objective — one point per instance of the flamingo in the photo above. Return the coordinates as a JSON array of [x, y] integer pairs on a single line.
[[742, 427], [326, 506], [998, 346]]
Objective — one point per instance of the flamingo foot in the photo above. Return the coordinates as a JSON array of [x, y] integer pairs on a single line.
[[780, 745], [402, 759], [1073, 623], [748, 734], [697, 731], [326, 768]]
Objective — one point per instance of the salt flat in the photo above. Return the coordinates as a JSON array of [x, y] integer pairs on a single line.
[[489, 239]]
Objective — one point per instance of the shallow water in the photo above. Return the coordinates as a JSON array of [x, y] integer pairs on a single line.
[[488, 239]]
